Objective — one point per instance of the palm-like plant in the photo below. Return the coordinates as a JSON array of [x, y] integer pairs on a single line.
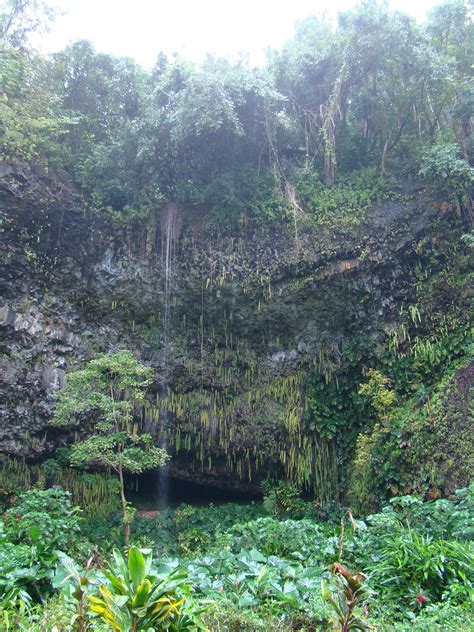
[[136, 598], [350, 596]]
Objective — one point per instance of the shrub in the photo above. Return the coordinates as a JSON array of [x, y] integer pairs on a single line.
[[441, 165], [282, 499], [42, 522], [410, 564], [293, 539], [44, 518], [136, 598]]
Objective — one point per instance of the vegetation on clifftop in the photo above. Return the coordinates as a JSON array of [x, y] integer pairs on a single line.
[[246, 144]]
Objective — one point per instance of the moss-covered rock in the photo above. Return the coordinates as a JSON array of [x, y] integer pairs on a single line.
[[243, 330]]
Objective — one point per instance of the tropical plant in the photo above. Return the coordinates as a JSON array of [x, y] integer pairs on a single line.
[[110, 390], [282, 499], [23, 576], [351, 596], [291, 539], [451, 177], [30, 534], [137, 598], [75, 582], [409, 563], [44, 518], [375, 389]]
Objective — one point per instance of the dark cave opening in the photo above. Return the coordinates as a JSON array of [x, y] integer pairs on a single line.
[[145, 492]]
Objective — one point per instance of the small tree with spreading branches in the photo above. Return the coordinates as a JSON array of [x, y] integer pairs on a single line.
[[109, 391]]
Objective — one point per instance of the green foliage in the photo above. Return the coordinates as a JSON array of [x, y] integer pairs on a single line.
[[119, 450], [343, 206], [230, 144], [441, 165], [94, 492], [291, 539], [266, 573], [15, 476], [111, 388], [424, 447], [31, 119], [135, 597], [77, 580], [334, 405], [22, 573], [42, 522], [415, 548], [106, 531], [251, 579], [190, 541], [410, 564], [282, 499], [381, 397], [226, 138], [350, 598], [430, 618], [186, 526], [451, 177], [111, 384], [360, 492], [44, 518], [443, 518]]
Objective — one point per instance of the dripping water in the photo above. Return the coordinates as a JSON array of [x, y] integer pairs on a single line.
[[164, 471], [169, 230]]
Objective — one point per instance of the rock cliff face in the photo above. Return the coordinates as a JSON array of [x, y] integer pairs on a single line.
[[232, 323]]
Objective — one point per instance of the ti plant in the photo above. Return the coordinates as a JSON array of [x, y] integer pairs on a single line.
[[76, 583], [351, 595], [136, 598]]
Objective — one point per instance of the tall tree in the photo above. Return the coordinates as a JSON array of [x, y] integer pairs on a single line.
[[107, 394], [20, 18]]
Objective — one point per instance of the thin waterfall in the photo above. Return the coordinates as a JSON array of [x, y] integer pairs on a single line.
[[169, 226], [170, 231], [164, 471]]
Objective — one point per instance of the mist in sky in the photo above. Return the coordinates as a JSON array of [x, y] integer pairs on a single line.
[[192, 28]]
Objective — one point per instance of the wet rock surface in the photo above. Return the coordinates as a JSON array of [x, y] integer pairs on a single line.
[[74, 285]]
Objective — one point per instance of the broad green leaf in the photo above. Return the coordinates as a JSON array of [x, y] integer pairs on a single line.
[[141, 594], [136, 567]]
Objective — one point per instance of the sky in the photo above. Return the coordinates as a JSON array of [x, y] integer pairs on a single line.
[[192, 28]]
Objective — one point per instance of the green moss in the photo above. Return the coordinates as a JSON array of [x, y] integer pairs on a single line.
[[424, 446], [95, 492]]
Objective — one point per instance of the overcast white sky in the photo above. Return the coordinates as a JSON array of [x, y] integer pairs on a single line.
[[142, 28]]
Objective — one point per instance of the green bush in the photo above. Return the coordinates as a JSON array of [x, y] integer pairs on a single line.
[[302, 539], [443, 518], [42, 522], [282, 499], [442, 166], [179, 527], [345, 205], [411, 564], [256, 574], [44, 518], [135, 597]]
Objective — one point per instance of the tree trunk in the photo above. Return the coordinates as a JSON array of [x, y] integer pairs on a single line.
[[123, 500]]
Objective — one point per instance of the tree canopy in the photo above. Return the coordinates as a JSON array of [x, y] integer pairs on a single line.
[[109, 391], [377, 90]]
